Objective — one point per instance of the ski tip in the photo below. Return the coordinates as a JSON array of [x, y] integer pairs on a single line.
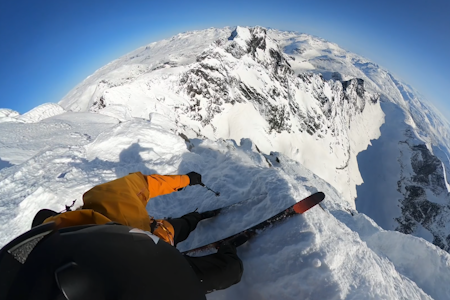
[[317, 196], [309, 202]]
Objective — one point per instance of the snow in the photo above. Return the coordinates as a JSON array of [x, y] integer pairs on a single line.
[[386, 167], [429, 260], [31, 139], [379, 164], [42, 112], [322, 254], [239, 120], [8, 115]]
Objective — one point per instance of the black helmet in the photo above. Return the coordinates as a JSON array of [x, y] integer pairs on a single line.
[[94, 262], [41, 215]]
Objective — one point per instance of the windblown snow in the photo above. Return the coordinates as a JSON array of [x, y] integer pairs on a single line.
[[268, 118]]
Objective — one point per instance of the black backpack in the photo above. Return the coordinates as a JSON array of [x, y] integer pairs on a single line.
[[98, 262]]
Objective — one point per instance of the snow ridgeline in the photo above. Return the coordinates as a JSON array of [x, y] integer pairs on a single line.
[[334, 253]]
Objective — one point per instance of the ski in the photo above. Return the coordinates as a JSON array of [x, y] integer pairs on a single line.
[[298, 208]]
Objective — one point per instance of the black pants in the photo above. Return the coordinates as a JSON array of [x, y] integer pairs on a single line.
[[216, 271]]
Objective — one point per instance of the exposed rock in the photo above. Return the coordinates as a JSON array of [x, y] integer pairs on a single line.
[[425, 182]]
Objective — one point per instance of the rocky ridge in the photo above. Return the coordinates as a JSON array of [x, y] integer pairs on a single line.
[[426, 201]]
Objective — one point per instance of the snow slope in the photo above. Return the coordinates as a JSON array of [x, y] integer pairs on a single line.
[[405, 170], [334, 253]]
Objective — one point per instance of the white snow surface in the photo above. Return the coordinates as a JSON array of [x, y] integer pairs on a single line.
[[329, 253]]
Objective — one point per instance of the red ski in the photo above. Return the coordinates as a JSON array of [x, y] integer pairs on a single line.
[[298, 208]]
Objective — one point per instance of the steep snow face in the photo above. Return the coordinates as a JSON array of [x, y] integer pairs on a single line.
[[329, 253], [319, 56], [321, 124], [308, 53], [241, 85], [405, 172]]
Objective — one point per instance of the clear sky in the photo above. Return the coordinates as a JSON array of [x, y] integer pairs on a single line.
[[47, 47]]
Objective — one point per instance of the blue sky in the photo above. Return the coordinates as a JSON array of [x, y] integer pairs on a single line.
[[47, 47]]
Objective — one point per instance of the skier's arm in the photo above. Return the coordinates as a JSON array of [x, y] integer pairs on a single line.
[[165, 184]]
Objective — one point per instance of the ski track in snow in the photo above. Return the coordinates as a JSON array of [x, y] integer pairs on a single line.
[[322, 254]]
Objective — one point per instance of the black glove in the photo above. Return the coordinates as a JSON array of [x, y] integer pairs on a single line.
[[241, 239], [194, 178]]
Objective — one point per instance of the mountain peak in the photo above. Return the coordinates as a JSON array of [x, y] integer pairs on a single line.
[[255, 42]]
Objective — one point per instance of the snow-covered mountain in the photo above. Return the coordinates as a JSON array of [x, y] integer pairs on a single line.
[[405, 171], [298, 95], [309, 116], [240, 84]]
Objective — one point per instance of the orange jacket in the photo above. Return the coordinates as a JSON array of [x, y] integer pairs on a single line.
[[123, 201]]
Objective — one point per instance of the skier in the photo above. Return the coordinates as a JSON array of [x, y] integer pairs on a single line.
[[111, 248]]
